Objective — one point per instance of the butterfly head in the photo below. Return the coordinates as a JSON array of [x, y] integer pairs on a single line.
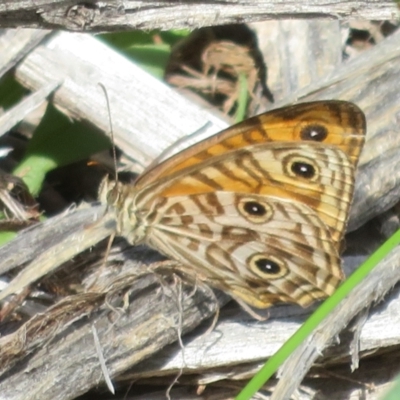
[[120, 199]]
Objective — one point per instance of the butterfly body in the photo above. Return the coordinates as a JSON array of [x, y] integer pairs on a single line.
[[258, 210]]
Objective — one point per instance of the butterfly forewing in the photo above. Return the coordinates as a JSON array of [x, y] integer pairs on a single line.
[[331, 122], [275, 169]]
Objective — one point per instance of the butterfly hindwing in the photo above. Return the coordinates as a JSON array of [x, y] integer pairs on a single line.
[[255, 247]]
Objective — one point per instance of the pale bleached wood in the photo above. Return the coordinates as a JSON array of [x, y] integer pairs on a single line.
[[16, 44], [252, 342], [53, 355], [15, 115], [159, 309], [63, 249], [147, 115], [31, 242], [295, 60], [114, 15], [370, 382]]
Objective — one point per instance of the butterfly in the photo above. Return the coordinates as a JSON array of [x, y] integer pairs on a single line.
[[260, 209]]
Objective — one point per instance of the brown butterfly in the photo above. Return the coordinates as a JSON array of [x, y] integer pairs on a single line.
[[258, 210]]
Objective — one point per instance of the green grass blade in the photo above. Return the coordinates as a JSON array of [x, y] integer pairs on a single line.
[[242, 99]]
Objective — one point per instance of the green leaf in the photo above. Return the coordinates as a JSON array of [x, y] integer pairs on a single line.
[[11, 91], [150, 50], [57, 141]]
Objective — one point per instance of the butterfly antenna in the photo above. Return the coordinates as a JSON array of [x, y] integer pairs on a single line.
[[111, 132], [114, 190]]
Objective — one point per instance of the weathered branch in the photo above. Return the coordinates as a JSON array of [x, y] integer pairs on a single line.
[[111, 15]]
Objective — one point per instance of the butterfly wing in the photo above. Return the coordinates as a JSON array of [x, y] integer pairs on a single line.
[[339, 123], [255, 247], [320, 176], [259, 209], [262, 223]]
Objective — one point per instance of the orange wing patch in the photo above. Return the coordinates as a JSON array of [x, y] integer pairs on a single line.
[[331, 122]]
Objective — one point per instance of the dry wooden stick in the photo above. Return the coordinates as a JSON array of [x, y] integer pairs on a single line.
[[111, 15]]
